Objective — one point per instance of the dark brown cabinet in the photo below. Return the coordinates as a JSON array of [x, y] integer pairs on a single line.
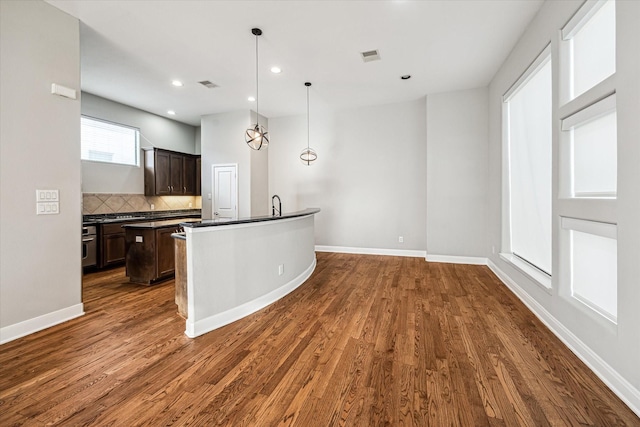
[[169, 173], [150, 251], [112, 247], [165, 265]]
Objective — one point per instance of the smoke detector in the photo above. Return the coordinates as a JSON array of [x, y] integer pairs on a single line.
[[370, 55], [208, 84]]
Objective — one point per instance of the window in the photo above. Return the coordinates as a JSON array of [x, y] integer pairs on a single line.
[[528, 132], [590, 39], [593, 269], [588, 166], [592, 136], [109, 142]]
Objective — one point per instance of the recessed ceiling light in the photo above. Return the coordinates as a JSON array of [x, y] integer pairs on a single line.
[[171, 113], [276, 70], [251, 99], [406, 77], [177, 83]]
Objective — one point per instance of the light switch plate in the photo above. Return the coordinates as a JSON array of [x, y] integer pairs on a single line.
[[138, 239], [47, 202]]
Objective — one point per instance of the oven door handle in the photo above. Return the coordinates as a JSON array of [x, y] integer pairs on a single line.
[[87, 240]]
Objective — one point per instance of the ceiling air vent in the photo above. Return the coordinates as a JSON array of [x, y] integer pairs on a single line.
[[208, 84], [370, 55]]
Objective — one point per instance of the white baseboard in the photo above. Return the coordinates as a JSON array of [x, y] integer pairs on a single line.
[[195, 329], [451, 259], [21, 329], [371, 251], [620, 386]]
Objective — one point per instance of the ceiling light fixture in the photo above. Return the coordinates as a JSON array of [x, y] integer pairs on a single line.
[[308, 155], [251, 99], [171, 113], [276, 70], [257, 136], [177, 83]]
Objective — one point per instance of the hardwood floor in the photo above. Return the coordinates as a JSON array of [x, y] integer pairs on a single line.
[[366, 341]]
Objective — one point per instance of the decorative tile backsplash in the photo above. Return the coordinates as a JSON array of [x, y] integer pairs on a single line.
[[102, 203]]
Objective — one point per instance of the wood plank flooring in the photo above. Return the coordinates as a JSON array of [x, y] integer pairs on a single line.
[[366, 341]]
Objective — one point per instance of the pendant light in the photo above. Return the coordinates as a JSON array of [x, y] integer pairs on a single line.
[[257, 136], [308, 155]]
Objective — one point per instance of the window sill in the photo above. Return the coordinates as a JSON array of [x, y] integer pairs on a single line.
[[541, 279]]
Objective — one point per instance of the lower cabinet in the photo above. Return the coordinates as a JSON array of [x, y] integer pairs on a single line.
[[112, 251]]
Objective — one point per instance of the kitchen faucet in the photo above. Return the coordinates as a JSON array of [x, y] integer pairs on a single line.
[[273, 206]]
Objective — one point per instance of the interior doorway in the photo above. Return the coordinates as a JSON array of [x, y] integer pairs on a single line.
[[225, 191]]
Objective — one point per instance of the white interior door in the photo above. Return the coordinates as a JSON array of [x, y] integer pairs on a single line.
[[225, 191]]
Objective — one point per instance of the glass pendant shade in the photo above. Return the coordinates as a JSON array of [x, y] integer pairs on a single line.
[[308, 156], [257, 137]]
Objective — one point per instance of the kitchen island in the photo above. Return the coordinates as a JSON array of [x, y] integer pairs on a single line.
[[149, 250], [237, 267]]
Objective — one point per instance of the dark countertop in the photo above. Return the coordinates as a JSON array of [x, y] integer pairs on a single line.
[[222, 222], [139, 216], [159, 224]]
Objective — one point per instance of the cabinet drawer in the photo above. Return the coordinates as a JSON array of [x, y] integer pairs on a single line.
[[112, 228]]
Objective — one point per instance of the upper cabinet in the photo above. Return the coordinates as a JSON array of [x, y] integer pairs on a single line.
[[170, 173]]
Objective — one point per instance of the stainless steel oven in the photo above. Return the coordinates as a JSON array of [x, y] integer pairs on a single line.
[[89, 246]]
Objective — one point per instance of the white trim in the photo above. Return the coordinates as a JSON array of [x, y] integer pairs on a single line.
[[540, 61], [30, 326], [619, 385], [602, 229], [195, 329], [452, 259], [594, 111], [372, 251], [541, 278], [581, 17]]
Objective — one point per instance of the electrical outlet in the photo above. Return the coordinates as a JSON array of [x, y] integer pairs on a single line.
[[280, 269], [493, 250], [190, 204], [153, 207], [138, 239], [400, 239]]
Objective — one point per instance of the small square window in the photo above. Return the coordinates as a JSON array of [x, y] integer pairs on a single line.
[[592, 135], [594, 264], [591, 35]]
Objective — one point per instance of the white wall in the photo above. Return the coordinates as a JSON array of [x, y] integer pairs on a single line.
[[155, 131], [40, 271], [370, 177], [222, 141], [611, 350], [457, 173]]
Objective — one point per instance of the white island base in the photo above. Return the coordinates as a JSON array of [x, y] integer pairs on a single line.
[[237, 268]]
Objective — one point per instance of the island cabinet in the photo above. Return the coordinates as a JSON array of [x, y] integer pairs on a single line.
[[150, 253], [170, 173]]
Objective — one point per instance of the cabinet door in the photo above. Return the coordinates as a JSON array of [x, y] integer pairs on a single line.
[[198, 176], [165, 256], [163, 176], [113, 249], [176, 173], [189, 175]]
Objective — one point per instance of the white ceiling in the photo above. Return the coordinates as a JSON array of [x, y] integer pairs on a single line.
[[131, 51]]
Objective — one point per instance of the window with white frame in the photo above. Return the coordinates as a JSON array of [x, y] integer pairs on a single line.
[[527, 113], [593, 251], [589, 40], [587, 167], [591, 136], [107, 142]]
